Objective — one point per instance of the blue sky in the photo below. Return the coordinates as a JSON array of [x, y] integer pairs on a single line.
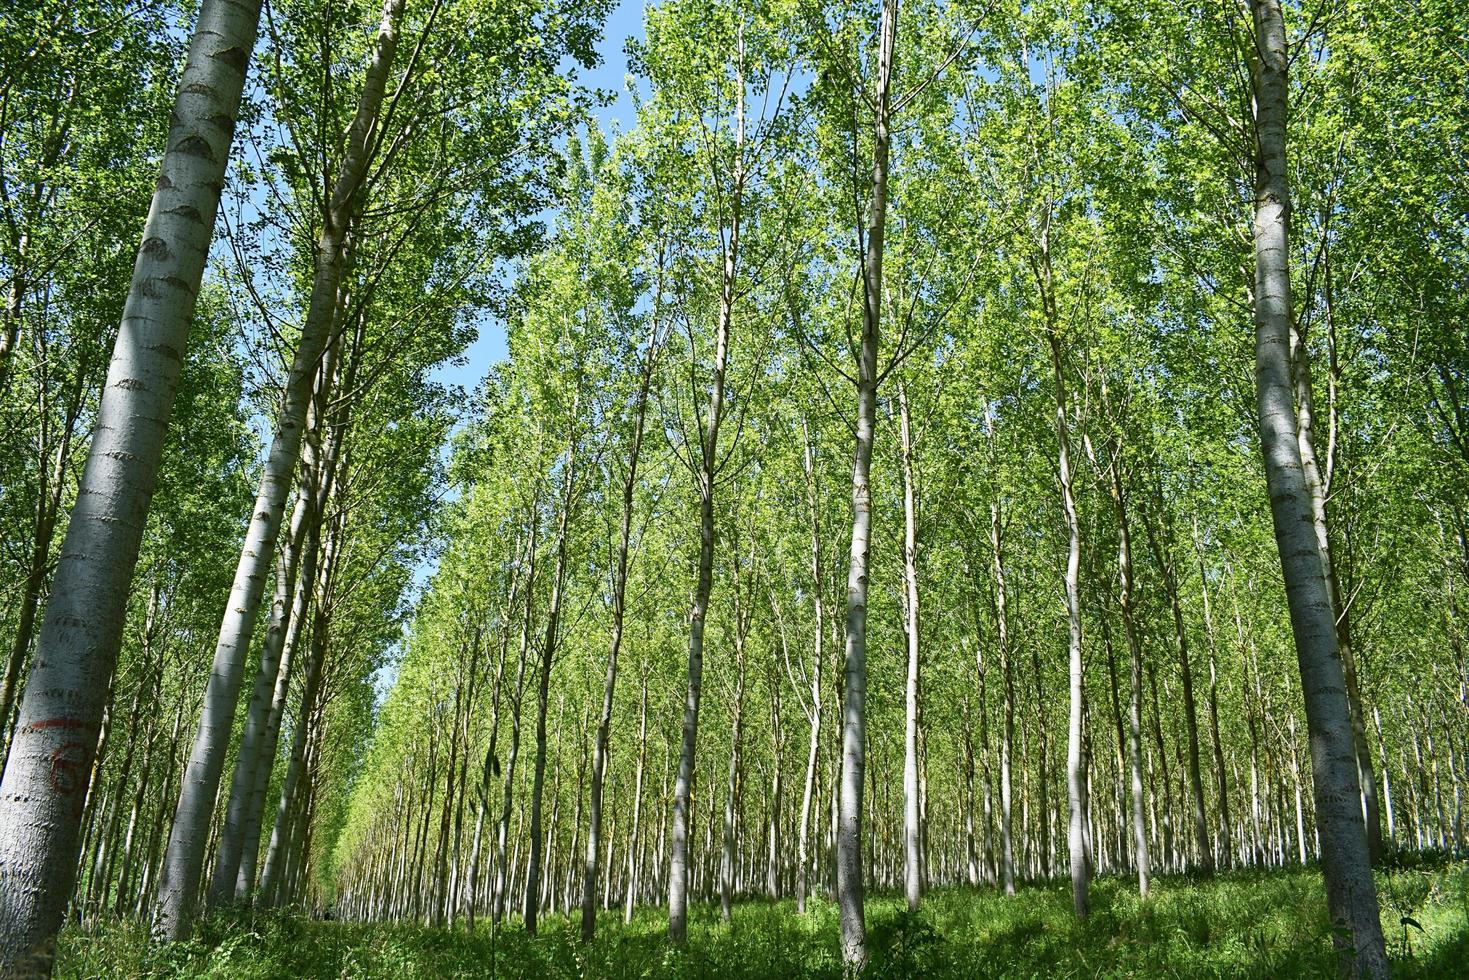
[[625, 21]]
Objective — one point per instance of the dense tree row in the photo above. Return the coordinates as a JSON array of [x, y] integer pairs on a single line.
[[1066, 488], [949, 303], [388, 159]]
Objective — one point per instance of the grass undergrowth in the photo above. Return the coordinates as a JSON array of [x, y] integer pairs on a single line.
[[1242, 924]]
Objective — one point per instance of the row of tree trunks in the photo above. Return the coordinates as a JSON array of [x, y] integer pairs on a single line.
[[233, 876], [740, 863], [180, 885]]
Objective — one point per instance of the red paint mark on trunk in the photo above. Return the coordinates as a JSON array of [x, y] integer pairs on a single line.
[[63, 723], [70, 762]]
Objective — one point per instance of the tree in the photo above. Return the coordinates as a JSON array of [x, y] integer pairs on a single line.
[[647, 368], [849, 829], [1351, 893], [60, 715], [705, 115]]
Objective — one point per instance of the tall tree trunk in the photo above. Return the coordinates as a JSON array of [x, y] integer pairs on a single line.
[[619, 593], [1386, 780], [178, 889], [707, 464], [1169, 851], [966, 775], [446, 812], [777, 752], [728, 858], [273, 878], [1007, 671], [245, 879], [1075, 759], [635, 841], [818, 602], [912, 853], [1135, 661], [1221, 785], [850, 882], [1041, 862], [232, 839], [1351, 893], [321, 455], [988, 874], [502, 867], [492, 761], [1318, 486], [1163, 552], [60, 714], [548, 654]]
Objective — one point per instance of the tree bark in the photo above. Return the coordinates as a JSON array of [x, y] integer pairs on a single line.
[[850, 881], [1075, 761], [1351, 893], [295, 624], [1007, 672], [274, 878], [1318, 486], [1135, 660], [708, 465], [60, 714], [254, 738], [912, 852]]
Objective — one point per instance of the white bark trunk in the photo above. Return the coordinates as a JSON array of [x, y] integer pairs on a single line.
[[1007, 671], [1075, 762], [1351, 893], [818, 602], [1135, 685], [59, 720], [912, 851], [248, 760], [850, 880], [683, 786]]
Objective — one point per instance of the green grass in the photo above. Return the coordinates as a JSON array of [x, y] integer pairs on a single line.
[[1237, 925]]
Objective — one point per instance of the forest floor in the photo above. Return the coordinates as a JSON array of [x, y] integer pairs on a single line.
[[1240, 924]]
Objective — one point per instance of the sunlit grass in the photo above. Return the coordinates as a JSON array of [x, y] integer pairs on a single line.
[[1243, 924]]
